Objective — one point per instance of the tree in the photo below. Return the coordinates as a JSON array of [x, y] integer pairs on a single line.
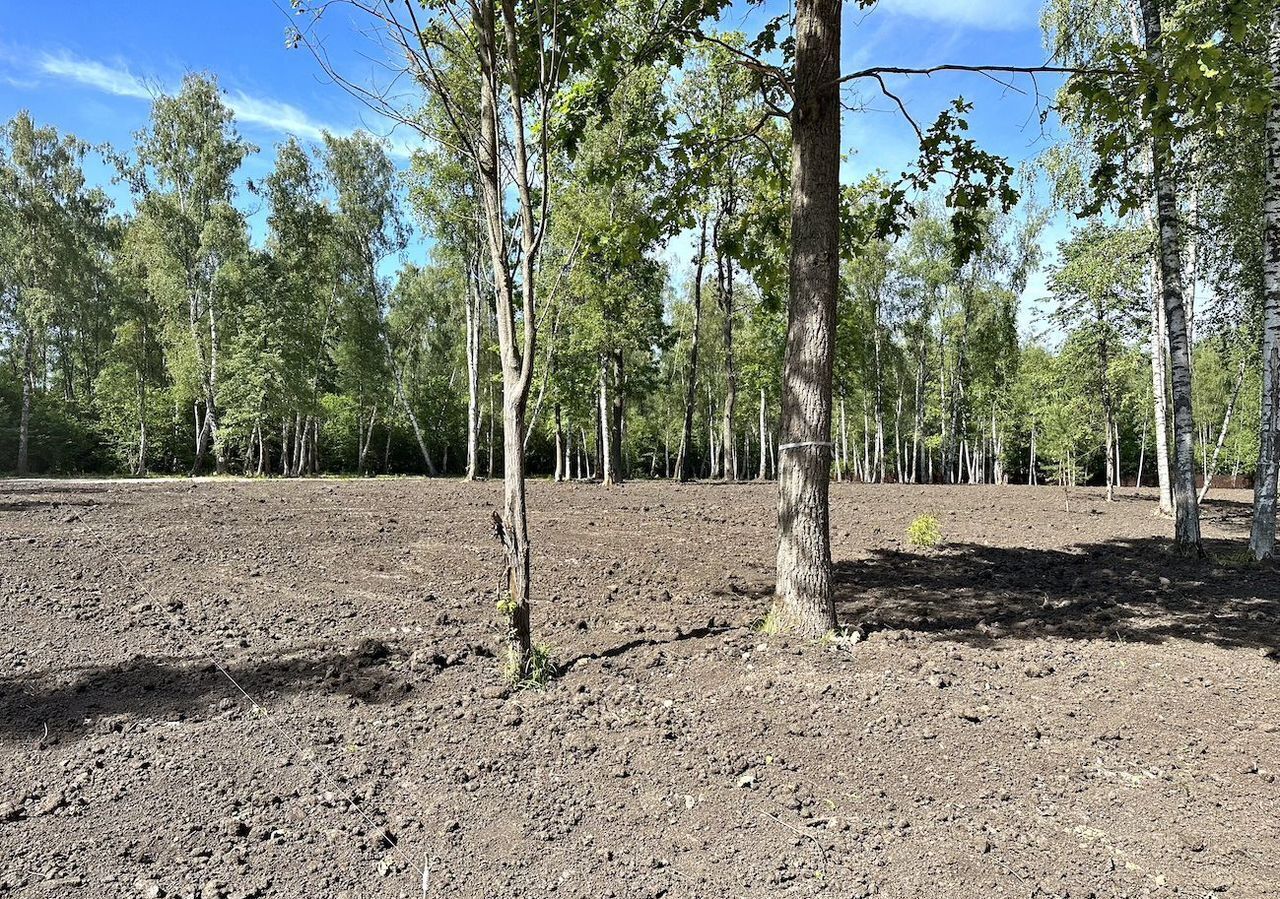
[[182, 179], [46, 250], [1263, 533], [1098, 285], [803, 601], [368, 231]]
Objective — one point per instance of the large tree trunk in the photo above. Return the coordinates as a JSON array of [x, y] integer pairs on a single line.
[[1262, 539], [684, 458], [1186, 508], [28, 387], [803, 601]]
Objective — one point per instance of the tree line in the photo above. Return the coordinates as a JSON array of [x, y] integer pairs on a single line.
[[820, 330]]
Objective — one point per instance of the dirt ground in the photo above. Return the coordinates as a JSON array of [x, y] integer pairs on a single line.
[[1051, 705]]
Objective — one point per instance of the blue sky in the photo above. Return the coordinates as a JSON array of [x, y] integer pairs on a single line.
[[94, 79]]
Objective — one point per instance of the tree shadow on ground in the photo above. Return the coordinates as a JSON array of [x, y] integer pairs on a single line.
[[613, 652], [95, 699], [1120, 590]]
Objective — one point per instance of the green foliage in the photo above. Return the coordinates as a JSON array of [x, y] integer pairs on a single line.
[[924, 532], [543, 668]]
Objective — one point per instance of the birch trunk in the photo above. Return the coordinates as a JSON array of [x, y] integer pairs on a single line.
[[473, 322], [607, 474], [1262, 539], [729, 464], [684, 458], [561, 473], [1186, 508]]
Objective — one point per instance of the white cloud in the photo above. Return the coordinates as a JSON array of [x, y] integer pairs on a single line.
[[263, 112], [989, 15], [93, 74], [275, 115]]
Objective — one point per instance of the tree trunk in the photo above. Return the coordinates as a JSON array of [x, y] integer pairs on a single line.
[[141, 469], [397, 374], [684, 458], [1110, 453], [803, 602], [713, 453], [1262, 539], [1211, 463], [842, 463], [1031, 466], [729, 464], [366, 441], [299, 443], [28, 387], [878, 457], [617, 416], [561, 473], [473, 321], [1186, 508], [763, 472], [202, 434], [1160, 392], [605, 430]]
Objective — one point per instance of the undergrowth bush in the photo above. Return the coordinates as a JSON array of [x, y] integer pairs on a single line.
[[924, 532]]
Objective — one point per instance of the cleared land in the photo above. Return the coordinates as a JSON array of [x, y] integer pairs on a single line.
[[1050, 705]]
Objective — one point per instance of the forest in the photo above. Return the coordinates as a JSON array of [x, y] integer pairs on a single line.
[[160, 339]]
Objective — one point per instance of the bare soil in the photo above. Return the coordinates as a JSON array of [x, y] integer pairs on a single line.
[[1050, 705]]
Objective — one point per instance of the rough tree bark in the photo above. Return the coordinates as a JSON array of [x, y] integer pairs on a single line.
[[803, 602], [1262, 538]]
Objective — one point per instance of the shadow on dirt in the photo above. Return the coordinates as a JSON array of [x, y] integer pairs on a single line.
[[94, 699], [1122, 590], [613, 652]]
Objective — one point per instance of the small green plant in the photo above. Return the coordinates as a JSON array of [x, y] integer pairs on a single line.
[[543, 667], [1241, 558], [769, 624], [924, 532]]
